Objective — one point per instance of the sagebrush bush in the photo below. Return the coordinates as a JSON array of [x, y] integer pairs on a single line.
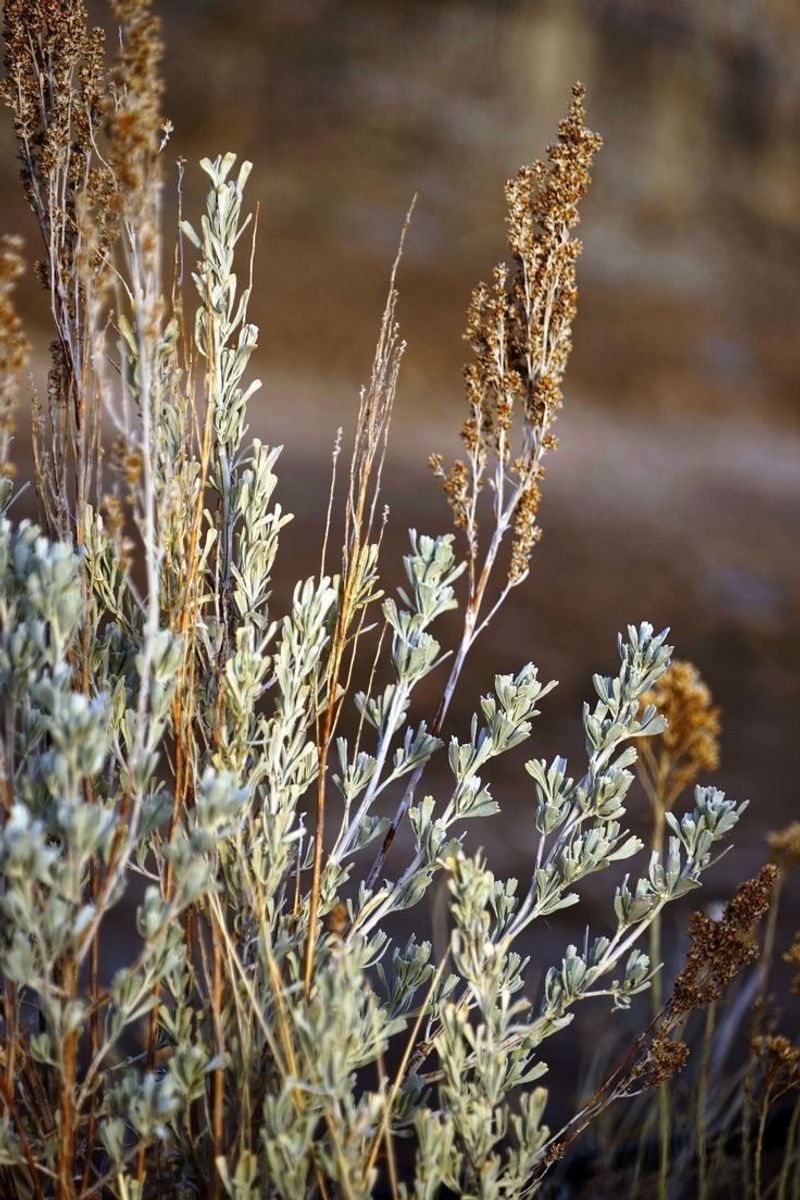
[[166, 735]]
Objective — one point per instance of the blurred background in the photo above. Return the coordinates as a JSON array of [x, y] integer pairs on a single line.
[[675, 496]]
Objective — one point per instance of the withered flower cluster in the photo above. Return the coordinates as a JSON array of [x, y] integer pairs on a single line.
[[87, 137], [689, 745], [56, 89], [785, 846], [54, 85], [719, 951], [779, 1059], [136, 125], [519, 329]]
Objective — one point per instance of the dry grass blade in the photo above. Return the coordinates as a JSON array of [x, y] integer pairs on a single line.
[[366, 465]]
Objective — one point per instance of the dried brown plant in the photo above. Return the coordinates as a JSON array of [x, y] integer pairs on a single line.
[[689, 745], [136, 126], [785, 846], [520, 331], [56, 88], [719, 951], [88, 138], [777, 1060], [785, 857]]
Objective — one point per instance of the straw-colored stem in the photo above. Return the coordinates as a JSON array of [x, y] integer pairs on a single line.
[[701, 1113], [791, 1152]]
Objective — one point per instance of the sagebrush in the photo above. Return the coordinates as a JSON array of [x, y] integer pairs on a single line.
[[166, 734]]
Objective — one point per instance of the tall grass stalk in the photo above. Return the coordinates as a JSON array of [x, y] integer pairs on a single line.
[[666, 768]]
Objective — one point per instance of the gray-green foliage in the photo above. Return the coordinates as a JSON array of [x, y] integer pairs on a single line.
[[165, 748]]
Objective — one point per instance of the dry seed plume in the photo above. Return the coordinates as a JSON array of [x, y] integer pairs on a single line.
[[520, 332], [719, 951]]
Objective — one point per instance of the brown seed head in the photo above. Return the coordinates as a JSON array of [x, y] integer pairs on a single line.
[[779, 1060], [136, 125], [690, 743], [785, 846], [668, 1057], [720, 949], [519, 330]]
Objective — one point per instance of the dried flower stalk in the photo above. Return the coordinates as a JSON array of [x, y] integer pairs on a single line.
[[719, 951], [687, 746], [520, 332]]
